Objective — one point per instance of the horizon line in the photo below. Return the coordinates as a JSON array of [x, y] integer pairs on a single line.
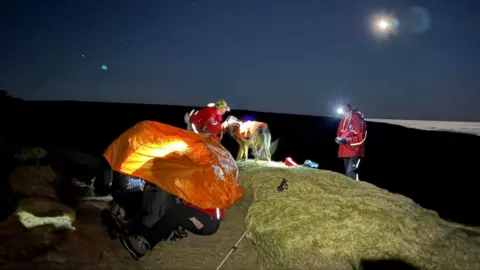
[[373, 119]]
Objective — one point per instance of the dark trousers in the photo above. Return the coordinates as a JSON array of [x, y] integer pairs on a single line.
[[103, 179], [351, 167], [180, 215], [126, 190]]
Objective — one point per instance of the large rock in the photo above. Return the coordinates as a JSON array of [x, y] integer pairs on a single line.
[[36, 226], [34, 180], [326, 221], [40, 218], [28, 153], [33, 212]]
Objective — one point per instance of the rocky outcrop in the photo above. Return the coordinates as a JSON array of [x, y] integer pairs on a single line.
[[40, 219]]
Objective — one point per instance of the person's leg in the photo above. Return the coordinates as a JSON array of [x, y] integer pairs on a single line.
[[189, 218], [155, 204], [352, 168], [103, 179], [346, 162], [127, 196], [357, 167], [197, 222]]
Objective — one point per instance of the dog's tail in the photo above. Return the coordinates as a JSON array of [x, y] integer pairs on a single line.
[[274, 146], [268, 148], [267, 140]]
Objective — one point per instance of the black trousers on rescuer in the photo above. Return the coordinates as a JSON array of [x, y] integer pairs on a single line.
[[351, 167], [104, 178], [191, 219]]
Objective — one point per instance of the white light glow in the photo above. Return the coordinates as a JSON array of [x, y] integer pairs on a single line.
[[383, 25]]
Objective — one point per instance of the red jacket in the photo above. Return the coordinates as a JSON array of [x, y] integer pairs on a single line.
[[207, 121], [216, 213], [354, 129]]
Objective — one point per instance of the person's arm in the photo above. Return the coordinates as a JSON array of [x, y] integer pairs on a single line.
[[339, 132], [213, 126], [358, 132]]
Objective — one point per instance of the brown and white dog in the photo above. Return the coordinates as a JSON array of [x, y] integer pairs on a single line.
[[251, 135]]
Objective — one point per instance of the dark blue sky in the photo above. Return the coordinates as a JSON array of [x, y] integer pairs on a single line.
[[301, 56]]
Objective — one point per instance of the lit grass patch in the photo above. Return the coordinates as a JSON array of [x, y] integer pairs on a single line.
[[327, 221]]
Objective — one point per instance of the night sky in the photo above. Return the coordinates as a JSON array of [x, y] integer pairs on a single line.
[[287, 56]]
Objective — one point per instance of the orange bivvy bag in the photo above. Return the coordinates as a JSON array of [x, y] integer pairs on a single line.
[[191, 166]]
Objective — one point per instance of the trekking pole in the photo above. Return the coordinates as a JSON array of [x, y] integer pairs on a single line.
[[232, 250], [283, 185]]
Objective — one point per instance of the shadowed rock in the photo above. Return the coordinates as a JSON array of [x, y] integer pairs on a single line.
[[35, 227], [34, 181]]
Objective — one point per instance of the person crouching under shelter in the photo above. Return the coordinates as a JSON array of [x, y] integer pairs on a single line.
[[144, 214], [180, 215], [189, 180], [209, 119], [351, 136]]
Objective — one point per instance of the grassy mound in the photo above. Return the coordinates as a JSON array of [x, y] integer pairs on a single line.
[[326, 221]]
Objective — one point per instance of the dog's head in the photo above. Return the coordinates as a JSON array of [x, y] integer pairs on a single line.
[[233, 125], [243, 130]]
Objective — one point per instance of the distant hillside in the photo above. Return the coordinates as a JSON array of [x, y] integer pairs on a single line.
[[460, 127], [156, 112]]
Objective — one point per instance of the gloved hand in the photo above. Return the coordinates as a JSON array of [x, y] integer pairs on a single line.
[[178, 234], [341, 140], [225, 124]]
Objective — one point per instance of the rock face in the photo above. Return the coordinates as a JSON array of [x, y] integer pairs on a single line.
[[326, 221], [40, 218], [39, 181]]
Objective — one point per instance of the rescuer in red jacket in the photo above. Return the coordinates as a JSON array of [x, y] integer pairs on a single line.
[[351, 136], [209, 119]]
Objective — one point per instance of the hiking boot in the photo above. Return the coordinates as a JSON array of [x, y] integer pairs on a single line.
[[118, 214], [136, 245]]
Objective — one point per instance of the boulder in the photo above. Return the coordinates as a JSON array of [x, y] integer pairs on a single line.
[[36, 226], [34, 180], [33, 212], [40, 218], [27, 153], [324, 220]]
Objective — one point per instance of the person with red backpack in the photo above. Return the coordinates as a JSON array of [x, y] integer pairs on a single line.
[[209, 119], [351, 136]]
